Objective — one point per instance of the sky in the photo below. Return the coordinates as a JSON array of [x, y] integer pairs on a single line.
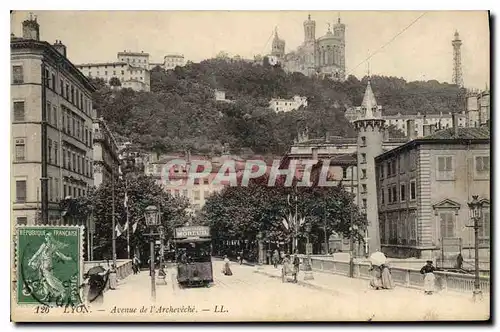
[[421, 52]]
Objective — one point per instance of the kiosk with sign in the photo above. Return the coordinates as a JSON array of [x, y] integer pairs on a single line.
[[193, 255]]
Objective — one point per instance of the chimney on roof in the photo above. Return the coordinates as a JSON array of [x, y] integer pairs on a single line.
[[31, 29], [314, 153], [60, 47], [454, 118], [410, 129], [386, 135]]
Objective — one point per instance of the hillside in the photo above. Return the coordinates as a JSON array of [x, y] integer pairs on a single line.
[[181, 113]]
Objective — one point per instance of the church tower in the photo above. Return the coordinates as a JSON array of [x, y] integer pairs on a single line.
[[339, 32], [278, 47], [309, 30], [370, 128]]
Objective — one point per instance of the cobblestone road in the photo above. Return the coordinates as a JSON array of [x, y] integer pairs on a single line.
[[255, 295]]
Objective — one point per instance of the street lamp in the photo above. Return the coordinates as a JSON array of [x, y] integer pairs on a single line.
[[352, 230], [152, 221], [476, 208], [308, 275]]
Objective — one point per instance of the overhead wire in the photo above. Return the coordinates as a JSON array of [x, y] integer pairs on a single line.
[[387, 43]]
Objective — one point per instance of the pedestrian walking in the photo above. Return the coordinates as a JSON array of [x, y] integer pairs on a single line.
[[226, 270], [386, 277], [376, 281], [113, 280], [241, 257], [429, 278], [276, 259], [460, 261], [296, 266], [135, 264]]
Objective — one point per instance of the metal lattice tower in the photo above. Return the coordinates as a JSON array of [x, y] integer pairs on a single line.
[[457, 61]]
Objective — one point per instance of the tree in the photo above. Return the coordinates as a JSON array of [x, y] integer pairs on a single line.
[[240, 213], [115, 82], [180, 112], [142, 191]]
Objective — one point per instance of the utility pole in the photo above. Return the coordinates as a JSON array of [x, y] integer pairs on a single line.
[[351, 239], [324, 227], [113, 222], [44, 178]]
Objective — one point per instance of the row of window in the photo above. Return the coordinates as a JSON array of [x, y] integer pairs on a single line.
[[53, 188], [398, 227], [405, 162], [133, 60], [72, 161], [392, 193], [68, 91], [77, 162], [72, 124], [184, 193]]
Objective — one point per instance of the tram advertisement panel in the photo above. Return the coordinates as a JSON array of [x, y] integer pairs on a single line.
[[192, 231]]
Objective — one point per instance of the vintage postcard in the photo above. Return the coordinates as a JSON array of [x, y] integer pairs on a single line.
[[250, 166]]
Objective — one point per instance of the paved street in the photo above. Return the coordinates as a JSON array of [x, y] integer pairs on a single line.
[[252, 294]]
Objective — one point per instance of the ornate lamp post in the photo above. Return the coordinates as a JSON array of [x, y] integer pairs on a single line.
[[476, 208], [152, 221], [308, 275]]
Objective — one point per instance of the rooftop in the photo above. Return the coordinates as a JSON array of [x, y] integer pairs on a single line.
[[101, 64], [133, 53], [480, 135], [462, 133]]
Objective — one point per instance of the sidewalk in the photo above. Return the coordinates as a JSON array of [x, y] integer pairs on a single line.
[[341, 285]]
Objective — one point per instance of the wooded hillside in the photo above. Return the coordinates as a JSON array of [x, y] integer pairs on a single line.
[[181, 113]]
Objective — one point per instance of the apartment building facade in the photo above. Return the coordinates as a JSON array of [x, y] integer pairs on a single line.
[[51, 126], [423, 188]]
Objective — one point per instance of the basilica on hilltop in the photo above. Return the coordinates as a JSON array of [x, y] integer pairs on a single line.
[[324, 56]]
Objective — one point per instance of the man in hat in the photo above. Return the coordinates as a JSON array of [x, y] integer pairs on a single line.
[[429, 278]]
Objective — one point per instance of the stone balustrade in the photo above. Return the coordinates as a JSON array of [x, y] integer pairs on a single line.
[[404, 277]]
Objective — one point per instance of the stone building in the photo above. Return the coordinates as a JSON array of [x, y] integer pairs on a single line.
[[51, 105], [423, 188], [323, 56], [287, 105], [478, 108], [131, 69], [175, 180], [106, 161]]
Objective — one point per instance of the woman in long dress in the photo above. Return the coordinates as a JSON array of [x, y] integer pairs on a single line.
[[227, 270], [376, 281], [429, 278], [386, 277], [113, 282]]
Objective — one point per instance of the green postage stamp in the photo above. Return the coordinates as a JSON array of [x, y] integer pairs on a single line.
[[49, 265]]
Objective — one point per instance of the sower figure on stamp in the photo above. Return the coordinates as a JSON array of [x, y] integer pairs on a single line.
[[42, 261]]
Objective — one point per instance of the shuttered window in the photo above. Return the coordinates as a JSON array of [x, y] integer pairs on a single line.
[[21, 191], [19, 113], [447, 222]]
